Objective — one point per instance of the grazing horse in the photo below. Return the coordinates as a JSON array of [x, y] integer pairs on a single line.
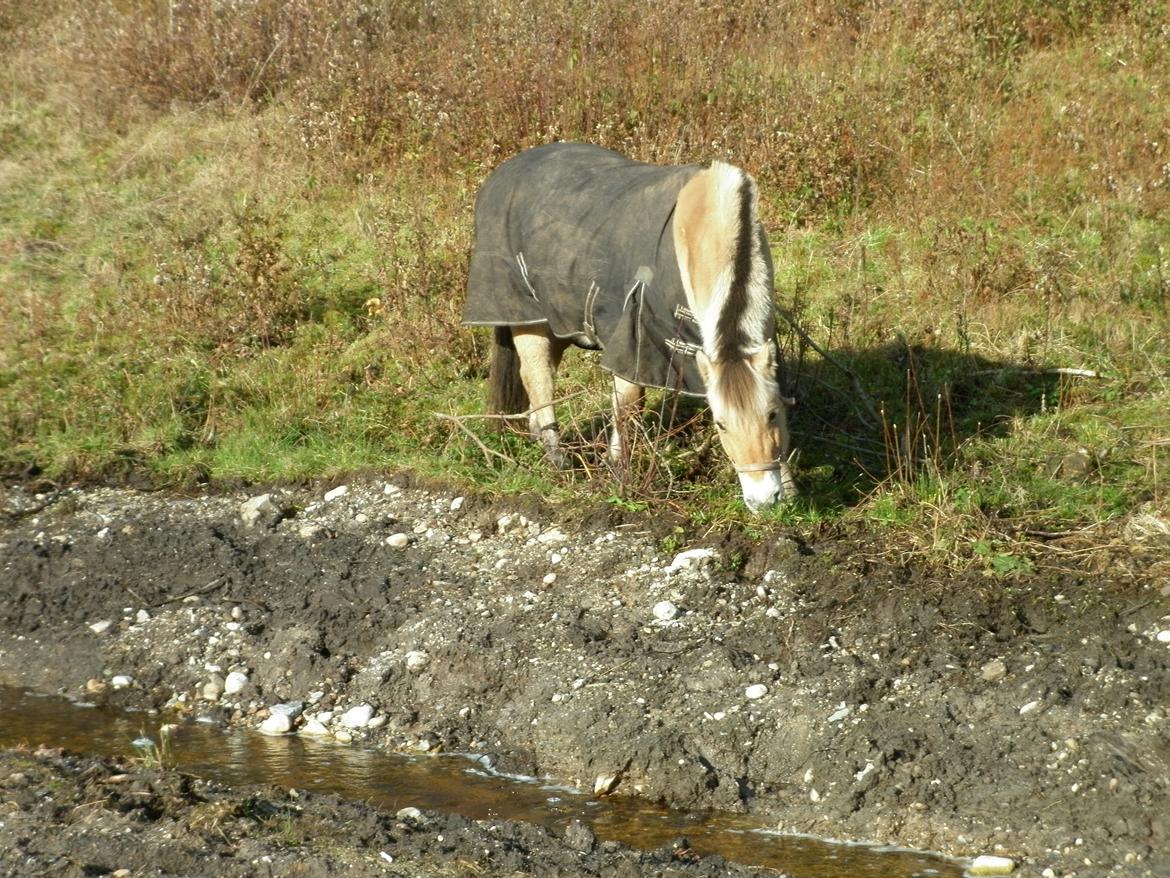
[[666, 269]]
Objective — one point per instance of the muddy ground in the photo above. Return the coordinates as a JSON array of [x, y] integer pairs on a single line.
[[811, 683]]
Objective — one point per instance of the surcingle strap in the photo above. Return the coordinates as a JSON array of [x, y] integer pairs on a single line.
[[686, 348]]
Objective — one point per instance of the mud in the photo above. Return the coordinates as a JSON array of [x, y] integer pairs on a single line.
[[1025, 717]]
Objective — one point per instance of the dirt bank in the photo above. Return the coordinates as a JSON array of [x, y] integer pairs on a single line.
[[825, 692]]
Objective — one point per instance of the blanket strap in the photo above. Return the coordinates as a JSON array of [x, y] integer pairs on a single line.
[[769, 466]]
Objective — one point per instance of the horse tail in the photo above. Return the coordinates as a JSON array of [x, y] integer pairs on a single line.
[[506, 394]]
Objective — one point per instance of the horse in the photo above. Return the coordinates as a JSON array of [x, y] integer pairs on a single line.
[[665, 269]]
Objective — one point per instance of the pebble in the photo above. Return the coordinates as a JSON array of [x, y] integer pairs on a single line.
[[409, 813], [357, 717], [212, 689], [690, 558], [839, 714], [755, 691], [1163, 636], [276, 723], [141, 616], [343, 736], [121, 681], [398, 541], [665, 611], [314, 728], [336, 493], [549, 578], [310, 530], [257, 508], [604, 783], [986, 864], [457, 504], [552, 535], [416, 660], [1030, 707], [101, 627], [994, 671], [390, 490], [234, 683], [376, 722]]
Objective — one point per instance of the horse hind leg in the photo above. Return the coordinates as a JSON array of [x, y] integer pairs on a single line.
[[506, 394], [540, 354]]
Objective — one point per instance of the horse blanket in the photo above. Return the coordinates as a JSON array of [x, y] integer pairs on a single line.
[[582, 239]]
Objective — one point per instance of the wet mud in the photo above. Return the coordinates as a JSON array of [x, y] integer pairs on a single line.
[[811, 684]]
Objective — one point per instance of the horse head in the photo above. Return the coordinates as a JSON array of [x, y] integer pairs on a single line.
[[752, 422]]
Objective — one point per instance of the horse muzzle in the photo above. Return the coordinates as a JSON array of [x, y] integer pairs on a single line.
[[764, 484]]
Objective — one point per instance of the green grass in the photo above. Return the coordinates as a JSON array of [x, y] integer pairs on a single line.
[[260, 275]]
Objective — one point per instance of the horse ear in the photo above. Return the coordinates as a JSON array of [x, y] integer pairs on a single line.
[[763, 359]]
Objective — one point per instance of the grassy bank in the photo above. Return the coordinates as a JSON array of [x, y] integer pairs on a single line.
[[233, 243]]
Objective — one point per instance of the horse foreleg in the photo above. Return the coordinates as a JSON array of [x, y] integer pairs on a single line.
[[540, 354], [627, 405]]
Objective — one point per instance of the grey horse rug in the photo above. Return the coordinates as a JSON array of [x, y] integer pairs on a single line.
[[582, 238]]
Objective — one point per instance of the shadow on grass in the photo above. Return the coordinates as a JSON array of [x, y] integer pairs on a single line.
[[899, 410]]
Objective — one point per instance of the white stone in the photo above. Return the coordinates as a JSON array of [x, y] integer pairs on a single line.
[[252, 510], [552, 535], [994, 671], [357, 717], [376, 722], [1163, 636], [755, 691], [310, 529], [457, 504], [409, 813], [986, 864], [361, 518], [390, 490], [665, 611], [121, 681], [141, 616], [325, 716], [549, 578], [1030, 707], [343, 736], [416, 660], [398, 541], [314, 728], [690, 558], [276, 723], [212, 690], [335, 493], [234, 683], [839, 714], [101, 627], [555, 558]]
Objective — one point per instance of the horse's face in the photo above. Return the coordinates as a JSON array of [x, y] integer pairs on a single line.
[[752, 423]]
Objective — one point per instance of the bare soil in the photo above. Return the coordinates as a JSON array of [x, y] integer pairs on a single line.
[[1024, 716]]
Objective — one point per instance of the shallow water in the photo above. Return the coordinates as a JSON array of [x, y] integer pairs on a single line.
[[445, 783]]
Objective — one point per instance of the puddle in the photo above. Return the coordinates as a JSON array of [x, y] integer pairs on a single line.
[[444, 783]]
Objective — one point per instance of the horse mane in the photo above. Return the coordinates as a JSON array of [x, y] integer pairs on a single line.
[[724, 269]]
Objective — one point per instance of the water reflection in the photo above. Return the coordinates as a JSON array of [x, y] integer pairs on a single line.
[[445, 783]]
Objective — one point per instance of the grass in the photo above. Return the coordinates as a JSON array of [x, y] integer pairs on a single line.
[[233, 243]]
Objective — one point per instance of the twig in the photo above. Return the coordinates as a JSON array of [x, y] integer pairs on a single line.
[[512, 417], [457, 420], [865, 398]]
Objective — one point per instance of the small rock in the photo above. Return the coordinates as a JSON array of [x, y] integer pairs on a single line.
[[755, 691], [101, 627], [261, 509], [121, 681], [409, 815], [416, 660], [141, 616], [690, 558], [314, 728], [276, 724], [291, 709], [604, 783], [505, 523], [357, 717], [456, 504], [987, 864], [376, 722], [343, 736], [994, 671], [1030, 707], [234, 683], [552, 535], [212, 689], [398, 541], [549, 578], [310, 530], [665, 611], [839, 714], [336, 493], [580, 837], [1163, 636], [95, 686], [390, 490]]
